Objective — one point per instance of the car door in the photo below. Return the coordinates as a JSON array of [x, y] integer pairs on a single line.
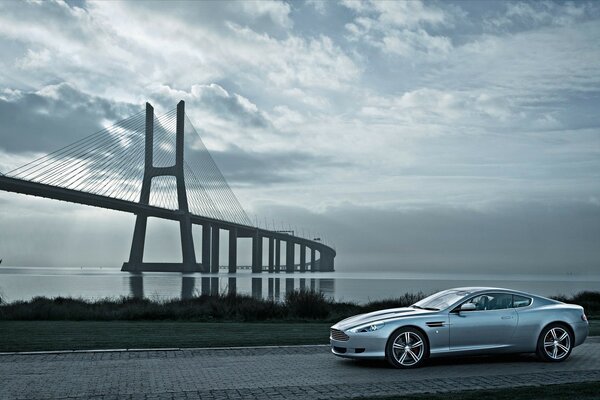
[[491, 325]]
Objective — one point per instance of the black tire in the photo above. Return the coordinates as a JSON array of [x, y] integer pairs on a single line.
[[553, 341], [401, 354]]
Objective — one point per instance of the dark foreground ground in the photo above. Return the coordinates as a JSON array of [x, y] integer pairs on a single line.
[[295, 372]]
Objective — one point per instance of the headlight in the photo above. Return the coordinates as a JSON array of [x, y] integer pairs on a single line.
[[368, 328]]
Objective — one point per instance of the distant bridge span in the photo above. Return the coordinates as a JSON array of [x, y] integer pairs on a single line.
[[58, 176]]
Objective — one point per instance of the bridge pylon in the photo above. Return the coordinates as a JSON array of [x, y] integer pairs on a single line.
[[136, 256]]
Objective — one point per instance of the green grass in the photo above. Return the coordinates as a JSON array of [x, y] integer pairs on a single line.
[[579, 391], [83, 335]]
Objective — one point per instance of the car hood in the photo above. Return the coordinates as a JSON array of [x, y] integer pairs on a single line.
[[382, 315]]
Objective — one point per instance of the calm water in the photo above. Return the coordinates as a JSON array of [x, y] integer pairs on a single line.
[[24, 283]]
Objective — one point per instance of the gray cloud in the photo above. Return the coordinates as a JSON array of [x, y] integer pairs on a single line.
[[53, 117], [213, 99], [248, 168]]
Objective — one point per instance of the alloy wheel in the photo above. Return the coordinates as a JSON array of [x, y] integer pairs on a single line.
[[557, 343], [408, 348]]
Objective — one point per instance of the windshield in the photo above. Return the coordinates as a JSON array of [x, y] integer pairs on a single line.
[[441, 300]]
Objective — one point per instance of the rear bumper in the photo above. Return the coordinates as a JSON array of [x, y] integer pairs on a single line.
[[581, 331]]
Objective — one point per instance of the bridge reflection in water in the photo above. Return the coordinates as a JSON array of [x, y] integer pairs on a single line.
[[271, 288]]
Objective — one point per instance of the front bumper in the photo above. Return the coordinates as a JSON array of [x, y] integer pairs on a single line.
[[368, 345]]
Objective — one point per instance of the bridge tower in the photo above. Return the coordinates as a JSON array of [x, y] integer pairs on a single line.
[[136, 262]]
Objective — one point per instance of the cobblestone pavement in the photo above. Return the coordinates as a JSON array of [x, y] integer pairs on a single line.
[[295, 372]]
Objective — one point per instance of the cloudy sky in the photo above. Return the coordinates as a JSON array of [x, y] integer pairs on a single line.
[[413, 136]]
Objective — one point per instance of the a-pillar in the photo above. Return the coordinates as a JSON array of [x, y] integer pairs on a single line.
[[257, 257], [302, 258], [214, 265], [289, 256], [271, 254], [206, 247], [277, 255], [232, 250]]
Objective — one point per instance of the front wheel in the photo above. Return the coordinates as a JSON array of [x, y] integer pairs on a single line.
[[555, 343], [406, 348]]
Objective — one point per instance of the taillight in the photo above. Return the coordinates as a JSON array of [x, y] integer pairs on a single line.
[[583, 317]]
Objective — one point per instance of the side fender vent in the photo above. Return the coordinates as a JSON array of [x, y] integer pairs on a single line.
[[435, 324]]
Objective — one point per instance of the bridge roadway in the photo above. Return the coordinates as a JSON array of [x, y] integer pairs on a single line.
[[294, 372], [324, 263]]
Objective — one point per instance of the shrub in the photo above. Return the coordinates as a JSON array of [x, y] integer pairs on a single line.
[[405, 300], [590, 301], [307, 304]]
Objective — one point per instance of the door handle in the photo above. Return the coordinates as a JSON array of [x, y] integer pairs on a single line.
[[506, 317]]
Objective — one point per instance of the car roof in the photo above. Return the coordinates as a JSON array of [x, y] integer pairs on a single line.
[[478, 289]]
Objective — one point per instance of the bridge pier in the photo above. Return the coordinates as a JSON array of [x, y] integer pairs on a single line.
[[302, 258], [271, 254], [326, 262], [257, 256], [232, 250], [187, 245], [206, 247], [277, 255], [313, 264], [289, 256], [214, 261]]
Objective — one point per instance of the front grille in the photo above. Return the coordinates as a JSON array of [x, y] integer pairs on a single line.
[[339, 335]]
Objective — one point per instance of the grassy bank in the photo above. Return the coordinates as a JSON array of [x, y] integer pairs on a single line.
[[579, 391], [297, 306], [83, 335]]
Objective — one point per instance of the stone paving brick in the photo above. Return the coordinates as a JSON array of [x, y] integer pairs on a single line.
[[269, 373]]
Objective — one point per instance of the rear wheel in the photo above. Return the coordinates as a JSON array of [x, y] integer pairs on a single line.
[[406, 348], [555, 343]]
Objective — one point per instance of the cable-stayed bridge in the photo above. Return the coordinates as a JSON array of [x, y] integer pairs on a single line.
[[138, 166]]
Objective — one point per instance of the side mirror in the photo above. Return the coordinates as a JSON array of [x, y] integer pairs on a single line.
[[468, 307]]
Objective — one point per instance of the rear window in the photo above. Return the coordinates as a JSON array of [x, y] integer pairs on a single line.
[[521, 301]]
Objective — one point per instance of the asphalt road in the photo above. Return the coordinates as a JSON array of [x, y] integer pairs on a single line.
[[295, 372]]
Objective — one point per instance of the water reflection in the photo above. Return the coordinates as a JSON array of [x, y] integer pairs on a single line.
[[265, 287], [136, 286]]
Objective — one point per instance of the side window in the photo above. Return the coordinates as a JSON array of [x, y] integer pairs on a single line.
[[500, 301], [492, 301], [521, 301], [480, 302]]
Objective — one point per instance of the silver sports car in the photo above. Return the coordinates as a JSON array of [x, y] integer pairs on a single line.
[[463, 321]]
